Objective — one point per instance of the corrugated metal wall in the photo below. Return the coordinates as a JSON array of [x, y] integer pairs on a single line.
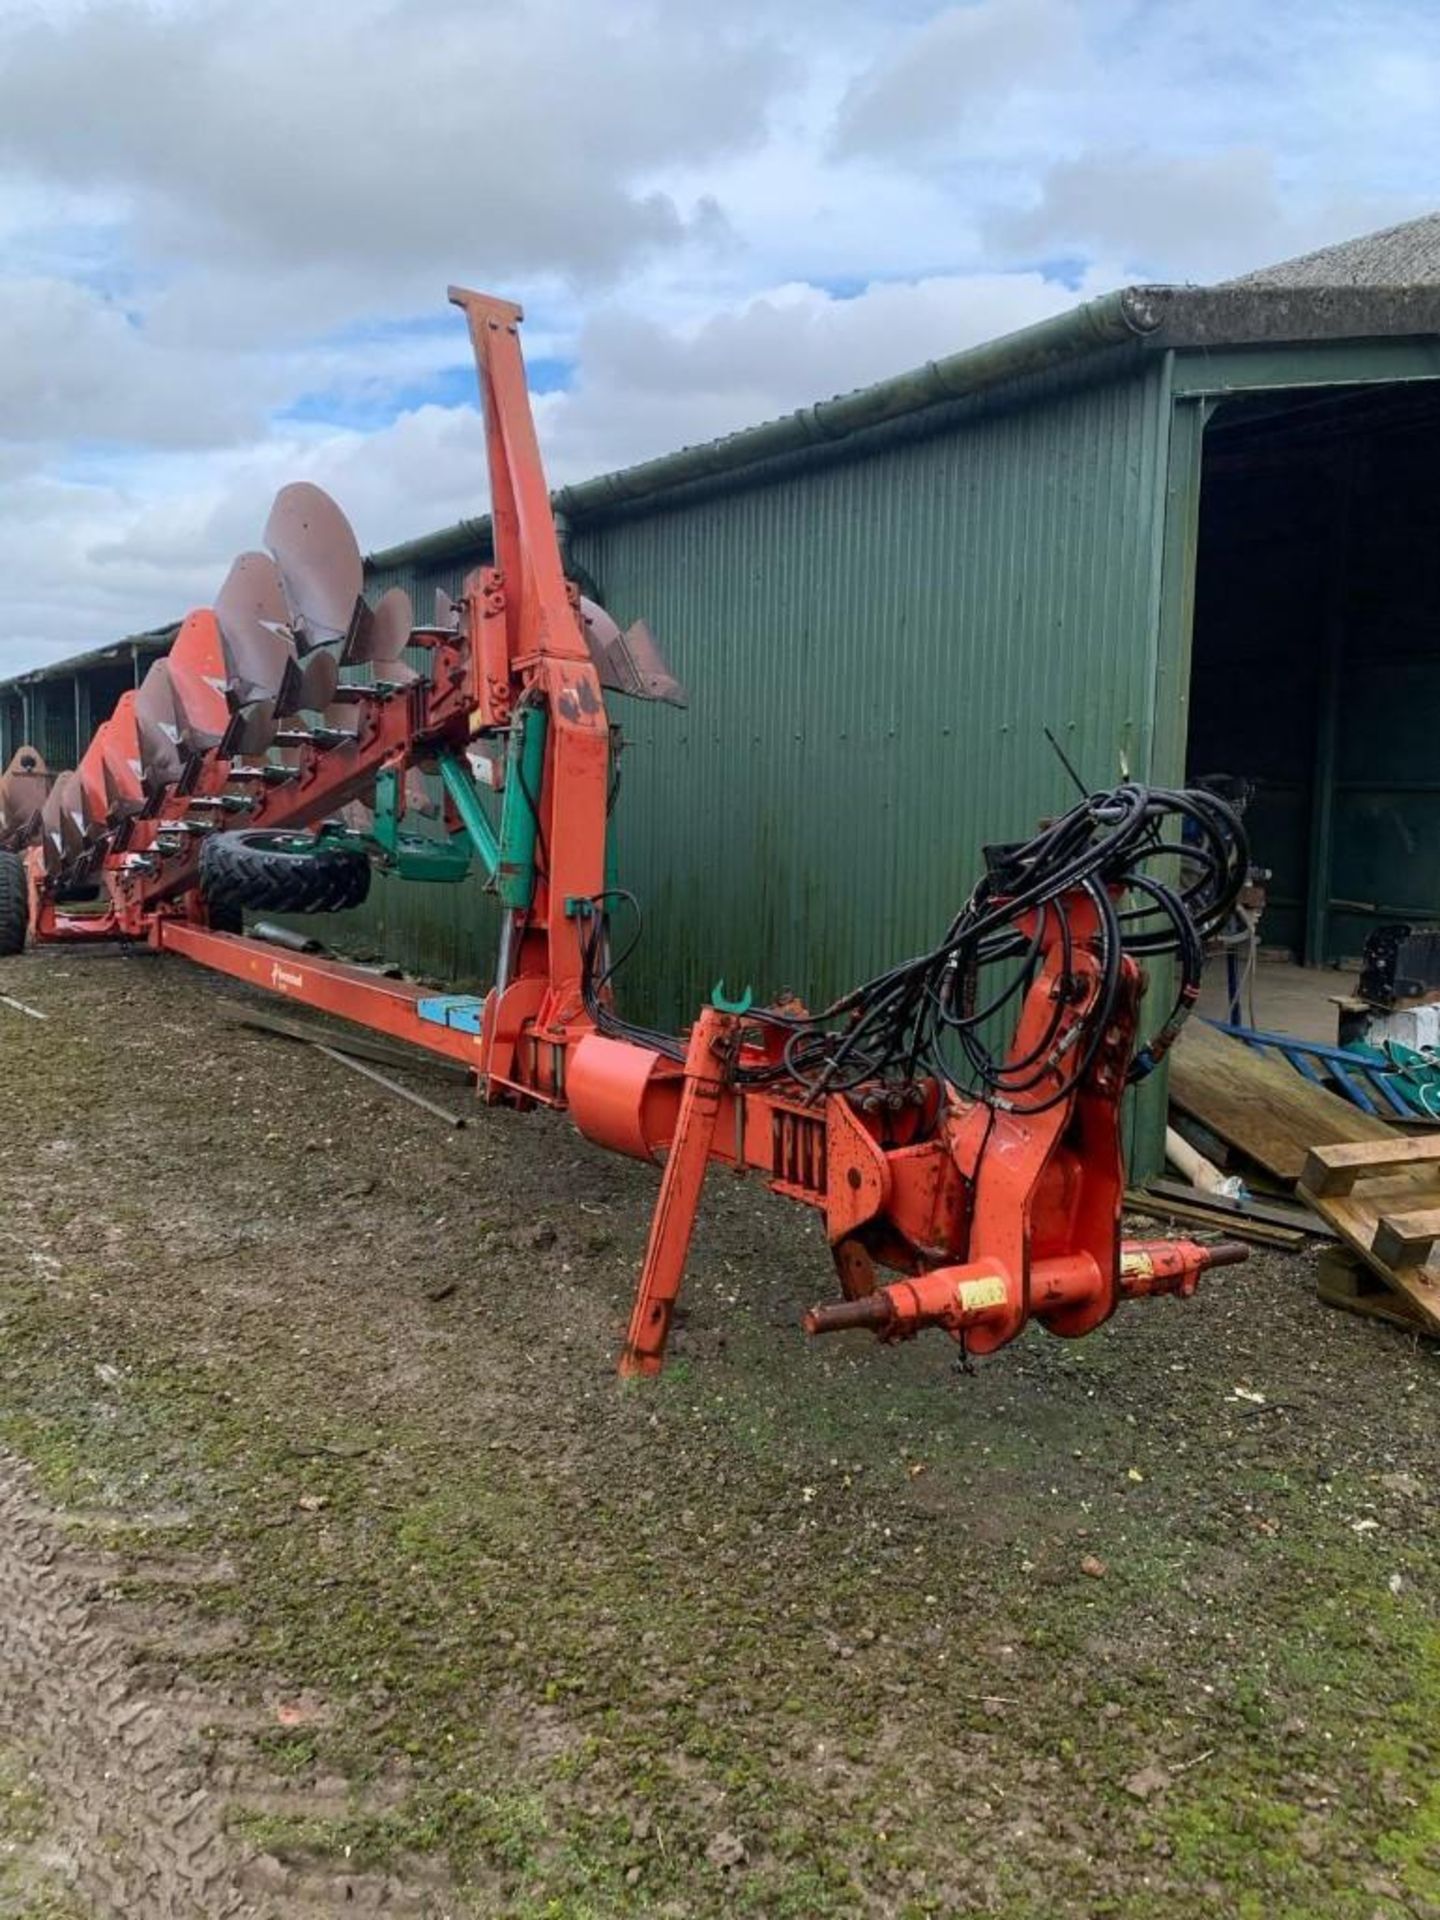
[[440, 932], [53, 722], [871, 650], [12, 725], [63, 711]]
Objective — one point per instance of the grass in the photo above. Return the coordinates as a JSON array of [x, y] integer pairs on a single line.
[[30, 1889], [643, 1713]]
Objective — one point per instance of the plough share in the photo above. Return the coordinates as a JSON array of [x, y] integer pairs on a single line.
[[273, 757]]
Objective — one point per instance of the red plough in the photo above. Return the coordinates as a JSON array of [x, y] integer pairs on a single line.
[[276, 755]]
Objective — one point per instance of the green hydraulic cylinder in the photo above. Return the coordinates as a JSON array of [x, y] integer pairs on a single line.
[[520, 814]]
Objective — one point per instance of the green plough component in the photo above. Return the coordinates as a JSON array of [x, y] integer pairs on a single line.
[[507, 858], [520, 815], [411, 856], [455, 776]]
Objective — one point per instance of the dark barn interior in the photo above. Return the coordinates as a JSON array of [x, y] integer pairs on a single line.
[[1315, 672]]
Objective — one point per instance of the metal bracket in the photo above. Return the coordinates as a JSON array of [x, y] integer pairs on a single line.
[[411, 856]]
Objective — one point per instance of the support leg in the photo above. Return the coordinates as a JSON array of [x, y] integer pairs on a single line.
[[680, 1187]]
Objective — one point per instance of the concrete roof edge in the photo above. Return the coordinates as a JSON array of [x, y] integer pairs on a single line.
[[1242, 315]]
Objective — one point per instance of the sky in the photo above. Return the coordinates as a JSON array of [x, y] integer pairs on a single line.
[[226, 231]]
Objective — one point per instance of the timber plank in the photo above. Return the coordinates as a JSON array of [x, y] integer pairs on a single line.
[[1335, 1169], [1407, 1239], [1343, 1281], [1261, 1105], [1388, 1194], [1292, 1214], [1157, 1207]]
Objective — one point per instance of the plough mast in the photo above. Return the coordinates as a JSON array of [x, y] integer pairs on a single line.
[[273, 755]]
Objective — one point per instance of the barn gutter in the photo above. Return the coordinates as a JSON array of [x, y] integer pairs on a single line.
[[1127, 315]]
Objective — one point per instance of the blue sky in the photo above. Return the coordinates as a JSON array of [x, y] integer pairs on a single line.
[[226, 230]]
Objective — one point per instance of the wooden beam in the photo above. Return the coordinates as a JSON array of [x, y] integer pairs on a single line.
[[1271, 1213], [1343, 1282], [1238, 1228], [1407, 1239], [1369, 1185], [1334, 1170], [343, 1041], [1259, 1103]]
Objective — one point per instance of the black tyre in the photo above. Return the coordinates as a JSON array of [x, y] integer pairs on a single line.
[[280, 873], [14, 903]]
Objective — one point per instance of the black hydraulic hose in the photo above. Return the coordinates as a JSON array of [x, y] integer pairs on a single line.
[[893, 1026]]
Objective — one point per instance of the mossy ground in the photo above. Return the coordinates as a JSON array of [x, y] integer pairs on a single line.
[[33, 1886], [796, 1631]]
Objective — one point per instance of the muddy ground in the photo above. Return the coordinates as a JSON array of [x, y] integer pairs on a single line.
[[337, 1573]]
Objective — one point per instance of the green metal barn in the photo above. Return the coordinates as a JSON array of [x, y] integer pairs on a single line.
[[1190, 530], [56, 708]]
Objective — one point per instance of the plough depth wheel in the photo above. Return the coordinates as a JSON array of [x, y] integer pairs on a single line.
[[281, 873], [14, 908]]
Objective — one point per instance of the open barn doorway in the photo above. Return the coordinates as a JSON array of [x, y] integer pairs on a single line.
[[1315, 680]]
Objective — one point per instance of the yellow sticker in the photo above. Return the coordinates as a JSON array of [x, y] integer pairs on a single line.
[[974, 1294], [1137, 1265]]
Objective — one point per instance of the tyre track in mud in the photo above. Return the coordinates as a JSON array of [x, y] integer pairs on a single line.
[[143, 1832], [143, 1762], [134, 1817]]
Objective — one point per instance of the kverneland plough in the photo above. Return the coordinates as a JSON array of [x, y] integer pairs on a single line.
[[272, 757]]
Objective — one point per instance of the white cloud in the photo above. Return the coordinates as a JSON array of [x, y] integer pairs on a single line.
[[964, 65], [94, 560], [119, 554], [1200, 216], [644, 388], [214, 211], [74, 365], [371, 138]]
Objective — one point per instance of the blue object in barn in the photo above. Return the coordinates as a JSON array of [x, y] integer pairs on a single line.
[[1366, 1079]]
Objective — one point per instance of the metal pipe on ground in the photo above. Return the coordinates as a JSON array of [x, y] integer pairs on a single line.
[[275, 935], [392, 1086], [364, 1045]]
